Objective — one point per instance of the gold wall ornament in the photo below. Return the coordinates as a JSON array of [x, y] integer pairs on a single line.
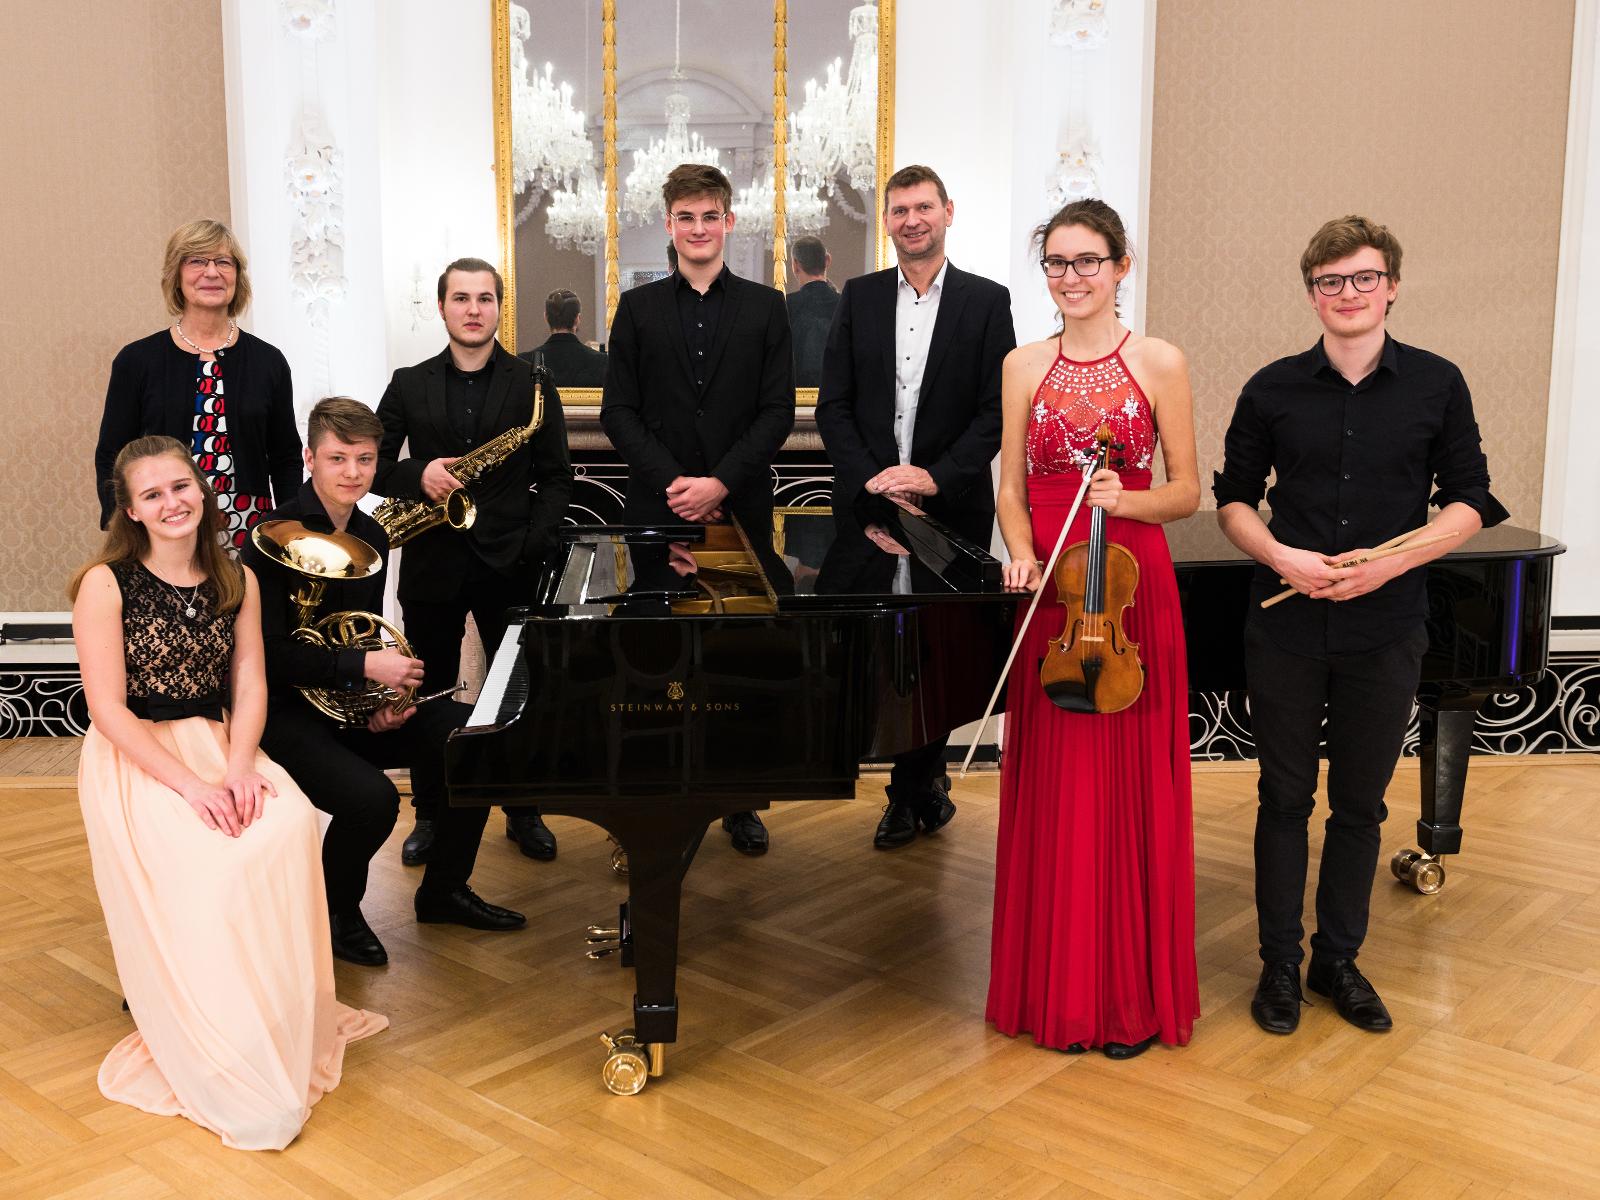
[[780, 144], [608, 74], [885, 118], [505, 219]]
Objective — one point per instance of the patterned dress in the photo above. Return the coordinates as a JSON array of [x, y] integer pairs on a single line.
[[1094, 870], [213, 454], [221, 943]]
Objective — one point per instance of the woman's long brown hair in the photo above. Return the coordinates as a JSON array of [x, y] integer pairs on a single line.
[[128, 541]]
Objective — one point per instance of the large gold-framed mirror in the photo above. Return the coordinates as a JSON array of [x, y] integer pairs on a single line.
[[595, 99]]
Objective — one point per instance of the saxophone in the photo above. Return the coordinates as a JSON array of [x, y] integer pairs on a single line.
[[403, 520]]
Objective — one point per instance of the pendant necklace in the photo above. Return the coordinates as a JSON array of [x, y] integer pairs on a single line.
[[189, 606]]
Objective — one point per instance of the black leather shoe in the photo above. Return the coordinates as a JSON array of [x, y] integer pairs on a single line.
[[1355, 999], [414, 851], [898, 826], [749, 834], [354, 941], [1276, 1004], [1126, 1050], [463, 906], [531, 834], [936, 808]]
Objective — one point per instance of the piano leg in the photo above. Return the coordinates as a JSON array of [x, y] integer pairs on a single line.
[[661, 842], [1447, 722]]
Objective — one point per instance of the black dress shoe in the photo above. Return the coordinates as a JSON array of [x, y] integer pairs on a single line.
[[1125, 1050], [414, 851], [531, 834], [936, 808], [898, 826], [749, 834], [1355, 999], [354, 941], [463, 906], [1276, 1004]]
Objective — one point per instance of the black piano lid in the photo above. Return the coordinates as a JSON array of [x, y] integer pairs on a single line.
[[1198, 541]]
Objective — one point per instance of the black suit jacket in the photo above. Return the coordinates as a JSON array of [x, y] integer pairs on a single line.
[[957, 431], [810, 317], [664, 427], [519, 503], [571, 363]]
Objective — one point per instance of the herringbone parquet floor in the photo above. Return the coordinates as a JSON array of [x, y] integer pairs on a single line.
[[833, 1041]]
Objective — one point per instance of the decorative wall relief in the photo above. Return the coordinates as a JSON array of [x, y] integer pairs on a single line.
[[1080, 24]]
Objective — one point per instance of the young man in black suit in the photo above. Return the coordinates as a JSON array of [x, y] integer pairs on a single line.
[[569, 361], [699, 391], [811, 306], [909, 406], [454, 402], [341, 769]]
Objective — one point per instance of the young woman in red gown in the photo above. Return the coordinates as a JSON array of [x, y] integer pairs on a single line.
[[1094, 871]]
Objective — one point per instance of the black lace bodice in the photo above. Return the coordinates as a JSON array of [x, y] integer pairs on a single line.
[[166, 652]]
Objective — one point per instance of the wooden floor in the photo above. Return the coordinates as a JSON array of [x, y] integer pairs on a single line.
[[833, 1043]]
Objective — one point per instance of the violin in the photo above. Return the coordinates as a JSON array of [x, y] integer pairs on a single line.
[[1093, 667]]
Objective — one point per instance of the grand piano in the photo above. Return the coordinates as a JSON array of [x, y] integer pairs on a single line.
[[664, 678]]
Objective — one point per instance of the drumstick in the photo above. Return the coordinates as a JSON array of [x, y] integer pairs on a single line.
[[1394, 541], [1072, 513], [1383, 551]]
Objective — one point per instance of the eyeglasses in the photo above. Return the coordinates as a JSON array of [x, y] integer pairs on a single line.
[[1085, 265], [197, 262], [688, 220], [1363, 281]]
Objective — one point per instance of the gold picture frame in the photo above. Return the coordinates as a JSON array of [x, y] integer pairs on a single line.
[[506, 199]]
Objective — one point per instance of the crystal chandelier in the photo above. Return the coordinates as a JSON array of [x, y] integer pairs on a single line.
[[549, 148], [641, 197], [576, 218], [834, 132], [804, 210]]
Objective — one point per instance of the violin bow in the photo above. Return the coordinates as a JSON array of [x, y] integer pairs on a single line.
[[1049, 568]]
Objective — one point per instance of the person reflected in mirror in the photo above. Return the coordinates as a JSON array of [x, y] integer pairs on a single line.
[[220, 391], [927, 429], [1093, 942], [446, 406], [570, 361], [207, 857], [699, 391], [341, 767], [811, 306], [1363, 433]]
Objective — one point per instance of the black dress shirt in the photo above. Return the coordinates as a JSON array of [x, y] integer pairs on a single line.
[[465, 393], [1355, 466], [291, 663], [700, 312]]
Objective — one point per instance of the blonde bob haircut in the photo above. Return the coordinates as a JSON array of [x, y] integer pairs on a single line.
[[209, 238]]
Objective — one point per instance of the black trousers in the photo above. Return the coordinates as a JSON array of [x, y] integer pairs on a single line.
[[341, 771], [435, 630], [914, 771], [1366, 701]]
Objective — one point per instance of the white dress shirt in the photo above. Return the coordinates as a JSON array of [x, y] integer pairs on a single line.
[[914, 316]]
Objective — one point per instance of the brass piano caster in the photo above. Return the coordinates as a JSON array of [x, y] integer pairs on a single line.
[[630, 1063], [1421, 871], [619, 859], [603, 941]]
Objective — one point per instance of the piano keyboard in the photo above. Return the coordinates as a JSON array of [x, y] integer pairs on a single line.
[[505, 687]]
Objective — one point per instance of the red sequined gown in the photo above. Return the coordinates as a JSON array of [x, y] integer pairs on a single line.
[[1094, 871]]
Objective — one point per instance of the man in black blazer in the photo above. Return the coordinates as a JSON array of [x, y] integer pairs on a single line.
[[454, 402], [909, 405], [570, 362], [699, 392]]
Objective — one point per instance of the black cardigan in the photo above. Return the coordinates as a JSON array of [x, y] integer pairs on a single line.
[[152, 391]]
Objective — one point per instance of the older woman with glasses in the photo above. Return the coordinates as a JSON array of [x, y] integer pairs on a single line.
[[204, 381]]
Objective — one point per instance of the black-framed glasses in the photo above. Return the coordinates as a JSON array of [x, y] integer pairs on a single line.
[[199, 262], [1084, 265], [1362, 281]]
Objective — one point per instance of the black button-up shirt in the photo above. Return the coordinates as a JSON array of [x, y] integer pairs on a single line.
[[464, 396], [1355, 465], [699, 313]]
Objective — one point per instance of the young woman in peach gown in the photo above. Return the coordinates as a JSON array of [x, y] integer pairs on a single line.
[[206, 856]]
